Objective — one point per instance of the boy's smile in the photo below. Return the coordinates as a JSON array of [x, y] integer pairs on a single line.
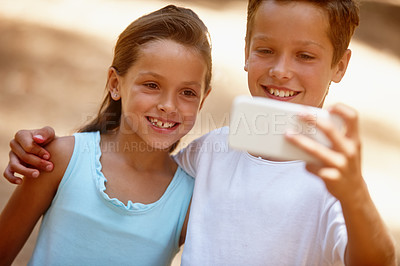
[[289, 56], [280, 93]]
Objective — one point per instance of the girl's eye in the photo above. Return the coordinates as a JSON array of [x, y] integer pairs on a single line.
[[151, 85], [188, 93]]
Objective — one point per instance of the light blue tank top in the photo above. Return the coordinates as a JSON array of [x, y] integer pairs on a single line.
[[84, 226]]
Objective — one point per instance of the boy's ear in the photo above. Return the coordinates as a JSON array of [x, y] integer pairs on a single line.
[[246, 58], [204, 98], [113, 84], [341, 67]]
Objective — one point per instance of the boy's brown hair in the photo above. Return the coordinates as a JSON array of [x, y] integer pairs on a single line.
[[343, 20]]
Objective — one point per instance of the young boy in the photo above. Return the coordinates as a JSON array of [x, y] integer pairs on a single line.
[[248, 210]]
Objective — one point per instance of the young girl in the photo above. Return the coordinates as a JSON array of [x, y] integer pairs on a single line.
[[116, 195]]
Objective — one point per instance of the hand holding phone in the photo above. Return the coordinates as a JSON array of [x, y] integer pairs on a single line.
[[258, 125]]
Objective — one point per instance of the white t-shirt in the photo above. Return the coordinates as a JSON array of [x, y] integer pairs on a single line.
[[250, 211]]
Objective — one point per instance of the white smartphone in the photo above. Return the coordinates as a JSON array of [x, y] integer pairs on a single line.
[[258, 125]]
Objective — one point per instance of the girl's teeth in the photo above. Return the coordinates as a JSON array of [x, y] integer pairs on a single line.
[[155, 122]]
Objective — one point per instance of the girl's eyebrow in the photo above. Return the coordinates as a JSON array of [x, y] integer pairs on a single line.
[[150, 73], [158, 76], [192, 83]]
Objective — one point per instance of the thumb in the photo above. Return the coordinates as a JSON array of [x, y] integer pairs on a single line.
[[44, 135]]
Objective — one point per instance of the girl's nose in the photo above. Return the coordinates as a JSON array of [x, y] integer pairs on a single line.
[[167, 104]]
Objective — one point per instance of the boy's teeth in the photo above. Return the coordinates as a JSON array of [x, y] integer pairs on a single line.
[[157, 123], [280, 93]]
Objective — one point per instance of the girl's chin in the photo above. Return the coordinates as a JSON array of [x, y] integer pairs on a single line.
[[161, 146]]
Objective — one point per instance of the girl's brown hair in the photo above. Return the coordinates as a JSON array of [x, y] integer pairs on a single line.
[[179, 24]]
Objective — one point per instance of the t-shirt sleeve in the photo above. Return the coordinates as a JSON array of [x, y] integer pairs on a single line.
[[202, 150], [334, 232], [188, 157]]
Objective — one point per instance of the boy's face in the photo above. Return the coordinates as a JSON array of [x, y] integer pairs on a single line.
[[289, 56]]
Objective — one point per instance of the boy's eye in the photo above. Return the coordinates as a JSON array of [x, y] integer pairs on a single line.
[[306, 56], [265, 51]]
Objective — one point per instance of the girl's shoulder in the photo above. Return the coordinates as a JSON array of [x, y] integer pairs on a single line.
[[60, 149], [43, 189]]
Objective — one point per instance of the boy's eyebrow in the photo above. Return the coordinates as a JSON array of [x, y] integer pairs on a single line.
[[308, 42], [301, 42]]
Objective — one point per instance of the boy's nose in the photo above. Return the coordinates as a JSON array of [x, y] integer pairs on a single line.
[[281, 68]]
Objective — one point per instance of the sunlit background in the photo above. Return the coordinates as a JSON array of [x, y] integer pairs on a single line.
[[54, 56]]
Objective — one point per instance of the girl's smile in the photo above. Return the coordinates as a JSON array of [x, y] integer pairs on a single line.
[[161, 124]]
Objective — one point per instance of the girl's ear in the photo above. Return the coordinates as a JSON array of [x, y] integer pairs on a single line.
[[113, 84], [341, 67]]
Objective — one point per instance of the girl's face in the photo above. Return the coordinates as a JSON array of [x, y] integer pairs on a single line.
[[289, 55], [161, 93]]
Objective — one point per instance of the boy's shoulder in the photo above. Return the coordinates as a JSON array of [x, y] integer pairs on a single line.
[[219, 133]]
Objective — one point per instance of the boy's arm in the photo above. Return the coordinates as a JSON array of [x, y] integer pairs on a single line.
[[30, 201], [369, 242], [27, 156]]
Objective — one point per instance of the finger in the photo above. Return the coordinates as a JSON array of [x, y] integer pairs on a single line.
[[339, 142], [15, 166], [29, 159], [328, 174], [350, 117], [24, 140], [319, 151], [9, 175], [44, 135]]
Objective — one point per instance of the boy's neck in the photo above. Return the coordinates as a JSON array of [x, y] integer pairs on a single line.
[[268, 158]]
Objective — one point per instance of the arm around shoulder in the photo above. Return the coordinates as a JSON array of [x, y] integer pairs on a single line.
[[31, 200]]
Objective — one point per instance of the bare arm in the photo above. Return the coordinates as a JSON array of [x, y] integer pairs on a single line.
[[27, 156], [30, 201], [369, 242]]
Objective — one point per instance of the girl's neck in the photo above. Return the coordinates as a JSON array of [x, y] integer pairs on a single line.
[[136, 153]]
